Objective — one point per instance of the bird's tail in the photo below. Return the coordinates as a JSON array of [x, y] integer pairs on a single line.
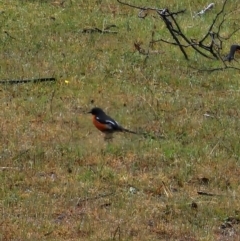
[[145, 134], [126, 130]]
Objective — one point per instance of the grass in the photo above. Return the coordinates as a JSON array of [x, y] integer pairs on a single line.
[[61, 181]]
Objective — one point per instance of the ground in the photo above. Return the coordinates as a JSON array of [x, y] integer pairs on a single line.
[[61, 181]]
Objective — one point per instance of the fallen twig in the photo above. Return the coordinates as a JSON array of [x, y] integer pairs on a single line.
[[207, 194], [8, 168], [80, 200], [167, 191], [98, 30], [51, 102], [209, 7], [27, 81], [9, 35], [146, 52], [117, 231]]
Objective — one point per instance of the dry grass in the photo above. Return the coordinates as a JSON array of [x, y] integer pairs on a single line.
[[60, 181]]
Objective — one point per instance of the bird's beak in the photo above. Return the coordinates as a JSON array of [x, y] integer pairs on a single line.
[[89, 112]]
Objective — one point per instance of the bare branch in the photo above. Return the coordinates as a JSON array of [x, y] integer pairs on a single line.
[[168, 14], [149, 8], [172, 43], [215, 69], [133, 6], [214, 21], [181, 40], [231, 34], [172, 30]]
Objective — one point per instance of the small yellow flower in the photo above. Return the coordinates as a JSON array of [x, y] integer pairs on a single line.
[[66, 82]]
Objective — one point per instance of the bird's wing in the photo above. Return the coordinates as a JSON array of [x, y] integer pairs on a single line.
[[112, 124]]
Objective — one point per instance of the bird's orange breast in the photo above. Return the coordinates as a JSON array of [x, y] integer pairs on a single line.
[[100, 126]]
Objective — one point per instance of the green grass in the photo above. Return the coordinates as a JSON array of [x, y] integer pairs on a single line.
[[61, 181]]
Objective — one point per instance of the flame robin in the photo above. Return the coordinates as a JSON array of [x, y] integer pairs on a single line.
[[106, 124]]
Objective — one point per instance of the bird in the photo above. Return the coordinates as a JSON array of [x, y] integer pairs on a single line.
[[106, 124], [231, 54]]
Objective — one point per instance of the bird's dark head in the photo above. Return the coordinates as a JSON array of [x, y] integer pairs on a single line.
[[96, 111]]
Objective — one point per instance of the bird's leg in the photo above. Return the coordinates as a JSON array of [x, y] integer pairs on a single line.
[[108, 136]]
